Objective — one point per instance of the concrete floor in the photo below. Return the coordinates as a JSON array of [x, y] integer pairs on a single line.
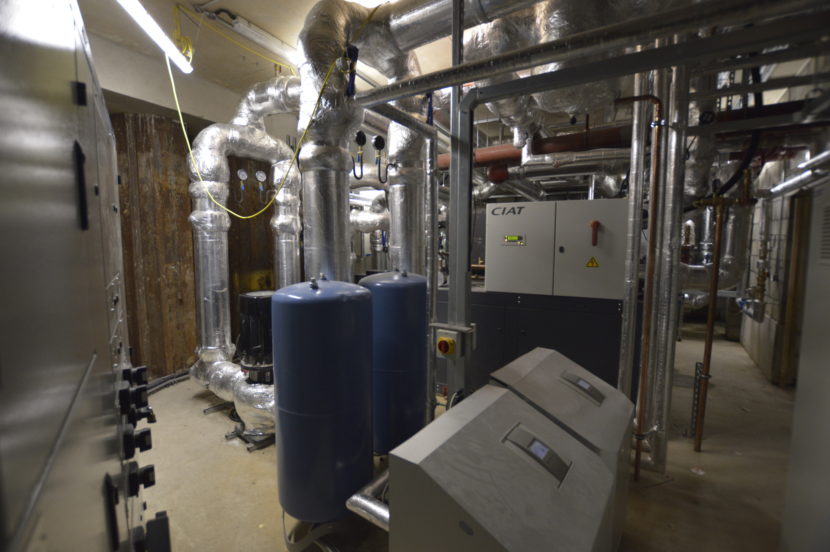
[[727, 498]]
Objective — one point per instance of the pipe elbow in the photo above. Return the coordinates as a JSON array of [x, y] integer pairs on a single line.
[[369, 221], [254, 402], [210, 155]]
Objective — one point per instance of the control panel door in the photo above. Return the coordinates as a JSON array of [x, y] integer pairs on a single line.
[[590, 248]]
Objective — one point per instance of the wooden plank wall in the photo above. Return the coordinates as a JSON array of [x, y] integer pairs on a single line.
[[158, 241], [158, 244]]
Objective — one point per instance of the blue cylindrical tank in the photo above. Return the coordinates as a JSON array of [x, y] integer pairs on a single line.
[[398, 356], [322, 350]]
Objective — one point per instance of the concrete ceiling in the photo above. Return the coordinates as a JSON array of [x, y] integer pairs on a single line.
[[216, 59]]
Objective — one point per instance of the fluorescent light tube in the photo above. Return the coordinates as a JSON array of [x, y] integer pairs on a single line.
[[149, 25]]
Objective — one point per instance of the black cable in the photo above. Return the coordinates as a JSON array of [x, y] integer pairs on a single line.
[[166, 381]]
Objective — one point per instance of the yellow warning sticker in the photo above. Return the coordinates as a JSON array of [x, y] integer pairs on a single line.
[[592, 263]]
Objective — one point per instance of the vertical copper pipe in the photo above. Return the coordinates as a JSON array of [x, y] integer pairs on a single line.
[[710, 324], [651, 263]]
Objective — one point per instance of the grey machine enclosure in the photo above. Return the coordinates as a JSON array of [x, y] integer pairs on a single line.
[[585, 406], [532, 462]]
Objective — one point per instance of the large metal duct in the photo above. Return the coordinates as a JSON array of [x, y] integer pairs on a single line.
[[557, 20], [413, 23], [245, 136], [519, 112]]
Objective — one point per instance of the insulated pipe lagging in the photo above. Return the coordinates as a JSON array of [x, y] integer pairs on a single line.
[[286, 224], [209, 176], [326, 230], [733, 259], [413, 23], [529, 190], [210, 244]]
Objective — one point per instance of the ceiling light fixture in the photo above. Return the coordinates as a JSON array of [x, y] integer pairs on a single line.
[[149, 25]]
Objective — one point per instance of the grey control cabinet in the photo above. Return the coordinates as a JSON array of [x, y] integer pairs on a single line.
[[588, 408], [565, 248], [494, 474]]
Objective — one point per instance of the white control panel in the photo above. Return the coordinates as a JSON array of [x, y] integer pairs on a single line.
[[520, 241], [569, 248]]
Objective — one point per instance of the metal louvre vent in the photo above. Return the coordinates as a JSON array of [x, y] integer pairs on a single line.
[[824, 247]]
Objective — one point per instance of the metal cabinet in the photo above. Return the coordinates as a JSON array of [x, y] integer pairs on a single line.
[[590, 248], [519, 247], [564, 248]]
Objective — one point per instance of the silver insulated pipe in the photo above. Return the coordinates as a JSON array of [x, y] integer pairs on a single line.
[[245, 136], [287, 224]]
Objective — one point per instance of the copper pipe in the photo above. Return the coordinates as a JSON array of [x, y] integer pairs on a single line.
[[503, 154], [507, 155], [651, 263], [710, 325], [610, 137]]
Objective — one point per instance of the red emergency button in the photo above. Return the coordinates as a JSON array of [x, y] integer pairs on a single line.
[[594, 232], [446, 345]]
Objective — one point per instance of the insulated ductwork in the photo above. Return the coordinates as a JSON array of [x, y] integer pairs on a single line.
[[245, 136], [555, 20], [520, 112], [733, 260]]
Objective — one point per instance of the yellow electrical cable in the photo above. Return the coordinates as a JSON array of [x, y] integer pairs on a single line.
[[231, 39], [299, 142]]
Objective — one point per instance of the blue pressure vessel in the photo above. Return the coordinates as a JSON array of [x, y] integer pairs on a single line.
[[399, 302], [322, 348]]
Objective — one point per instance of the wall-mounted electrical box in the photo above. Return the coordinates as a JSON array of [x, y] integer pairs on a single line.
[[569, 248]]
